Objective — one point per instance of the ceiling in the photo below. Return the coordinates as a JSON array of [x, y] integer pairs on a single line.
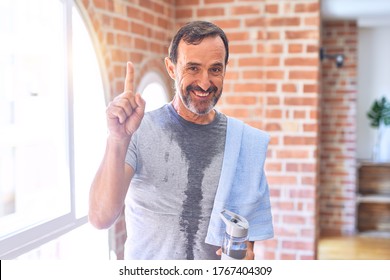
[[366, 12]]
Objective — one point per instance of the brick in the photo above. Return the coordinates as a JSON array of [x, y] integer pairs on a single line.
[[303, 75], [245, 10], [240, 48], [301, 61], [252, 74], [286, 256], [295, 48], [310, 127], [302, 34], [298, 245], [183, 13], [270, 87], [210, 12], [302, 193], [272, 8], [251, 61], [312, 49], [121, 24], [242, 99], [275, 74], [272, 35], [228, 23], [248, 87], [299, 140], [301, 101], [274, 48], [123, 40], [273, 100], [296, 154], [138, 28], [180, 3], [282, 180], [217, 1], [272, 114], [283, 21], [310, 88], [312, 21], [272, 61], [237, 36], [273, 127], [231, 75], [162, 22], [100, 4], [237, 112], [289, 88], [298, 114], [255, 22], [305, 8]]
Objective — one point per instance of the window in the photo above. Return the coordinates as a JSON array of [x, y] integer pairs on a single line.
[[52, 122], [153, 91]]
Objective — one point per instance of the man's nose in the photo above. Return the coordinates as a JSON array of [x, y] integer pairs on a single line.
[[204, 80]]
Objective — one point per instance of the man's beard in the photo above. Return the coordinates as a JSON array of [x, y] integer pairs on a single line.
[[203, 107]]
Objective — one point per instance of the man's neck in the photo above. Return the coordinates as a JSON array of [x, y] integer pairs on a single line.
[[191, 116]]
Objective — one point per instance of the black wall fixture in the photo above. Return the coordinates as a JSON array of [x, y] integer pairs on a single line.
[[338, 58]]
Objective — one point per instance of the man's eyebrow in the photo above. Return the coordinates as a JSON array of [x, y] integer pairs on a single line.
[[218, 64], [190, 64]]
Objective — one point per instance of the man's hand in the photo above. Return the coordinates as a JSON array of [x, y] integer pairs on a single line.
[[124, 114]]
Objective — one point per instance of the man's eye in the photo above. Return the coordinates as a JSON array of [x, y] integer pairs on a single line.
[[216, 70], [192, 68]]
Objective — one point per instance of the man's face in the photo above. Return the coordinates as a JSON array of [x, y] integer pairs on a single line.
[[199, 74]]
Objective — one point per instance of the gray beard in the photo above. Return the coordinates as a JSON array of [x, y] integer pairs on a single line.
[[187, 101]]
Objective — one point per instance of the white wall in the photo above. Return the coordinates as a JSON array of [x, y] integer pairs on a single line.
[[373, 82]]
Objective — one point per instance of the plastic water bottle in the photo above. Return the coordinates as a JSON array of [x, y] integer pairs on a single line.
[[234, 244]]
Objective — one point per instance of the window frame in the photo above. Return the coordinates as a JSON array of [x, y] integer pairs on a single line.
[[33, 236]]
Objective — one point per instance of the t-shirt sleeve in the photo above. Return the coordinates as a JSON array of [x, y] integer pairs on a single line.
[[131, 155]]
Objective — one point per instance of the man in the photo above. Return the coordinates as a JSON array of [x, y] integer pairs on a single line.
[[177, 167]]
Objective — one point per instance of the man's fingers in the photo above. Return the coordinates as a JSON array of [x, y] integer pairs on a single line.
[[140, 102], [117, 112], [123, 106], [129, 80]]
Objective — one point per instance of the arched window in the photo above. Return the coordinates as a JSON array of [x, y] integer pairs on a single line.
[[153, 91], [52, 122]]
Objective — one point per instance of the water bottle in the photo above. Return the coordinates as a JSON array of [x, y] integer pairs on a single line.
[[234, 244]]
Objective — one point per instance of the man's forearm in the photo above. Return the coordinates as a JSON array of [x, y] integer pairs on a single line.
[[110, 185]]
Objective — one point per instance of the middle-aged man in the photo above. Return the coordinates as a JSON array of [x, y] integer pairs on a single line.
[[176, 168]]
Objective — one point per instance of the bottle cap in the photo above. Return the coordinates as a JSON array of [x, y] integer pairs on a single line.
[[236, 225]]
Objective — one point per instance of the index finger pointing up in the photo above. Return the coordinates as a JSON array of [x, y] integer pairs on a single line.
[[129, 77]]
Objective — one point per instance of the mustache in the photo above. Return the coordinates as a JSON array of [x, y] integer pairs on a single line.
[[198, 88]]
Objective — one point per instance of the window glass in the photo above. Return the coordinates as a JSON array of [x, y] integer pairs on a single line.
[[52, 129], [34, 161], [89, 112], [153, 91]]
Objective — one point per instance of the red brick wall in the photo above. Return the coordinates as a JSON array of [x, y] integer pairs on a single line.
[[338, 130], [289, 112], [134, 30], [272, 83]]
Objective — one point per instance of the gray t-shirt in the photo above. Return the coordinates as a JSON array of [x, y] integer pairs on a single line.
[[177, 169]]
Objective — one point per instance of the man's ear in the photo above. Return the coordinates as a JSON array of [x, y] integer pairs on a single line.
[[170, 67]]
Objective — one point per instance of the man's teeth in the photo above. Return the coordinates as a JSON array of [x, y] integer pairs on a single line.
[[201, 94]]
